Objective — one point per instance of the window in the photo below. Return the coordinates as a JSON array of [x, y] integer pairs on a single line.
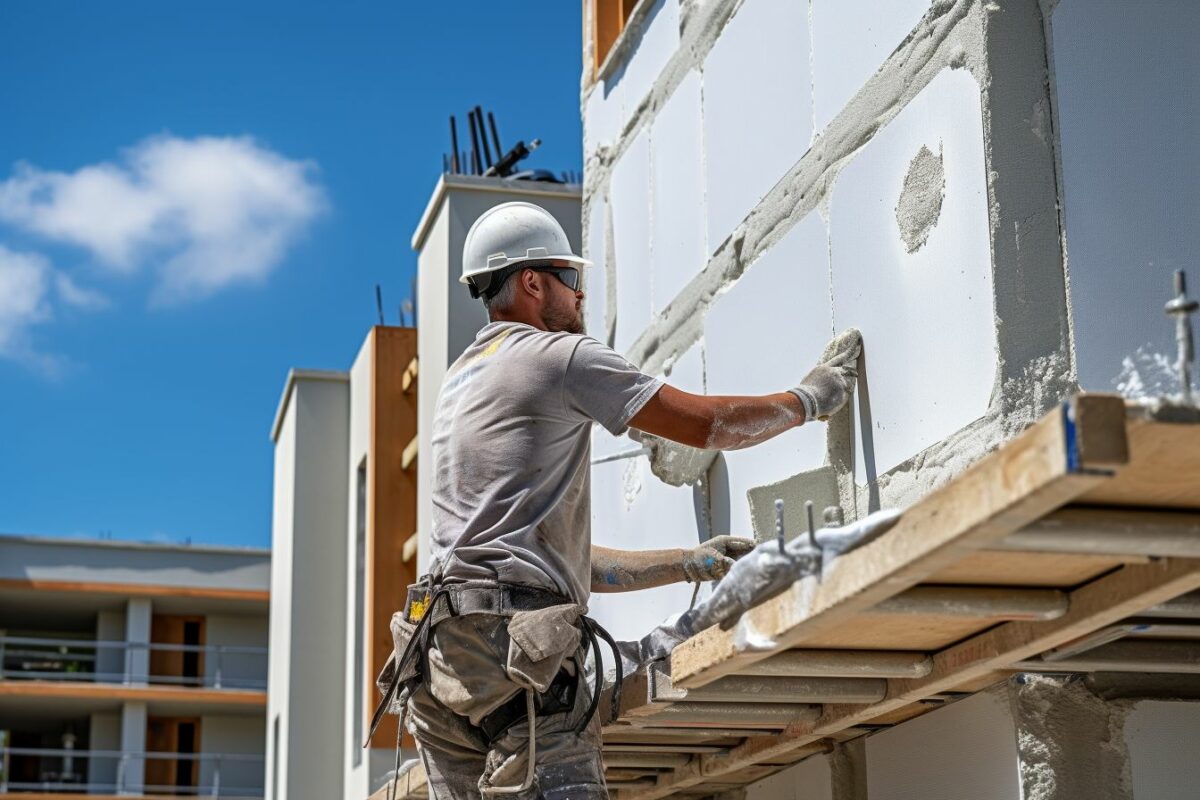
[[275, 759], [608, 18]]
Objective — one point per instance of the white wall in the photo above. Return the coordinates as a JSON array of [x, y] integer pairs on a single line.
[[808, 780], [968, 749], [779, 187], [1163, 739], [308, 612], [357, 779], [237, 735]]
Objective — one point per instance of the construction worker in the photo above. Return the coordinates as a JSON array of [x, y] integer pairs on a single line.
[[512, 560]]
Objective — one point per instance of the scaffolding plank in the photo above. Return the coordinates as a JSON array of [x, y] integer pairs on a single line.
[[1167, 454], [1024, 568], [1102, 602], [1056, 460]]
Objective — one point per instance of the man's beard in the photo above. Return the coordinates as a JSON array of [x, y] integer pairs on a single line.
[[564, 318]]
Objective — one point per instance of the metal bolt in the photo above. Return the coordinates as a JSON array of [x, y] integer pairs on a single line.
[[1181, 308], [812, 527], [779, 523]]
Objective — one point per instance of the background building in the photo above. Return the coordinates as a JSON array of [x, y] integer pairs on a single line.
[[132, 669], [344, 508]]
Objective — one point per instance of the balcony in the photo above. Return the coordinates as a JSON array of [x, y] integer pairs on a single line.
[[39, 772], [84, 661]]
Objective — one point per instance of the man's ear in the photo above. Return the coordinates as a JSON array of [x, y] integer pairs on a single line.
[[530, 283]]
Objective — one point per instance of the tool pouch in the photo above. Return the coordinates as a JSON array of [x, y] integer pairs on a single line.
[[539, 641], [402, 633]]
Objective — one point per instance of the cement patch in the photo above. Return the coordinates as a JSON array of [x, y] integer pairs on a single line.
[[595, 301], [1069, 741], [921, 198], [818, 485]]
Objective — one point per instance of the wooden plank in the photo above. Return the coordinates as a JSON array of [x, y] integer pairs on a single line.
[[1019, 568], [1035, 473], [1165, 460], [766, 689], [1099, 530], [390, 503], [841, 664], [1100, 603]]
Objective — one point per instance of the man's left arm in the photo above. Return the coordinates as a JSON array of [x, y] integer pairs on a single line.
[[630, 570]]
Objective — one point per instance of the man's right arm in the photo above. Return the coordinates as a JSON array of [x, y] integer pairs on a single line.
[[716, 422]]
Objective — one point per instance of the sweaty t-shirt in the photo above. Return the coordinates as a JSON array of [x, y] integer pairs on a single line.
[[511, 451]]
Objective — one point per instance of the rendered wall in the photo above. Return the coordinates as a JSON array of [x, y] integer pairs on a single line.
[[308, 589], [760, 175], [357, 778]]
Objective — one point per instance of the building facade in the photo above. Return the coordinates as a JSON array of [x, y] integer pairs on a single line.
[[344, 511], [131, 669]]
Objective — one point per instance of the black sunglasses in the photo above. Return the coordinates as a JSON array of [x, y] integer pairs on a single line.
[[568, 275]]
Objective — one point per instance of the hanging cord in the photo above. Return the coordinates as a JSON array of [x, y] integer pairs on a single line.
[[394, 684], [396, 764], [592, 628]]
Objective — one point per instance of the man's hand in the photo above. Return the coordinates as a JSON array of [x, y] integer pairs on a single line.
[[713, 559], [827, 387]]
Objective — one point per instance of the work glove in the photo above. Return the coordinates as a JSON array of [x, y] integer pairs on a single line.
[[713, 559], [827, 387]]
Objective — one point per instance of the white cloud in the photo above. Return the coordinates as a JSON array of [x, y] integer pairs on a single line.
[[78, 296], [202, 213], [24, 286]]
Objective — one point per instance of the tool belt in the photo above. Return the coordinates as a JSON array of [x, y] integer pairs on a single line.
[[542, 624]]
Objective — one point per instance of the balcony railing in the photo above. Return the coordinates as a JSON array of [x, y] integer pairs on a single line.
[[225, 666], [230, 776]]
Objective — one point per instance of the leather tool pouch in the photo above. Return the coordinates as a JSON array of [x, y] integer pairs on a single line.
[[539, 641], [402, 633]]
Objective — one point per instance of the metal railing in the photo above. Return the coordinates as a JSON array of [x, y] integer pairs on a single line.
[[32, 658], [210, 775]]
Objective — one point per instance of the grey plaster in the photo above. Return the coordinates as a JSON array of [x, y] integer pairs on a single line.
[[1070, 742], [819, 485], [920, 202]]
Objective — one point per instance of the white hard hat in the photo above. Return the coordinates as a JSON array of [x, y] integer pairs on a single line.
[[511, 234]]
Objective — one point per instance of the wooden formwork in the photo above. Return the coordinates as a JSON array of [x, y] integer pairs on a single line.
[[1086, 519]]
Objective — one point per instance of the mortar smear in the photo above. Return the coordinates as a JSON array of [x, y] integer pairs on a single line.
[[920, 202], [1147, 374]]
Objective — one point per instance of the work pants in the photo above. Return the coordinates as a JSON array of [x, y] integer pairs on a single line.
[[466, 682]]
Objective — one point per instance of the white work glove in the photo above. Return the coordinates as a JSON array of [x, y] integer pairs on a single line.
[[714, 558], [827, 387]]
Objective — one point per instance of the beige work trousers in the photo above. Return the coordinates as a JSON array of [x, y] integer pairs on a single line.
[[466, 682]]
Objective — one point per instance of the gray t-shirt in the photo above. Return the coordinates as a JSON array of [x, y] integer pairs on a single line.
[[511, 452]]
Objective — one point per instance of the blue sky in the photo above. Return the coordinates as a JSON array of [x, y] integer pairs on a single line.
[[195, 197]]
